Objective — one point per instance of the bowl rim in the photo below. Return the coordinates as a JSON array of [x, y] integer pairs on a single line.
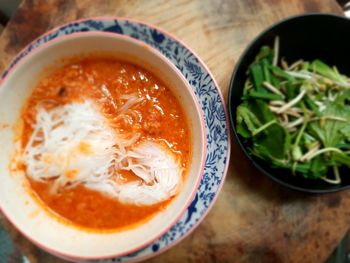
[[14, 64], [230, 103]]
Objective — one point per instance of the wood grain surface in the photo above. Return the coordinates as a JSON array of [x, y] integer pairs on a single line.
[[254, 219]]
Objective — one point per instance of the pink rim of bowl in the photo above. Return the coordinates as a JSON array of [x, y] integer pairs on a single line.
[[70, 257]]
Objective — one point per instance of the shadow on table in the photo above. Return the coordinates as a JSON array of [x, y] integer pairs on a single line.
[[342, 253], [8, 252]]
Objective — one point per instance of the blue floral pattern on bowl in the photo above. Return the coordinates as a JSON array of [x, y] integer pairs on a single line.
[[208, 96]]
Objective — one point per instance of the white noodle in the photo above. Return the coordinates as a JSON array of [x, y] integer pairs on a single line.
[[75, 144]]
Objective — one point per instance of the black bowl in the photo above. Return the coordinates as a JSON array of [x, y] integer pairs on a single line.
[[322, 36]]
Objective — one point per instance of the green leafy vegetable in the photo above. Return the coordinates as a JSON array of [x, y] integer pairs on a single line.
[[326, 71], [257, 75], [297, 116]]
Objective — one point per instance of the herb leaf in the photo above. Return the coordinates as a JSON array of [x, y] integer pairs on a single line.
[[296, 116]]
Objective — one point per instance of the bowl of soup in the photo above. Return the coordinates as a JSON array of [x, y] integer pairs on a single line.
[[103, 145]]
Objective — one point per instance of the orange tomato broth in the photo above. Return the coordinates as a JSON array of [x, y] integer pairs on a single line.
[[162, 119]]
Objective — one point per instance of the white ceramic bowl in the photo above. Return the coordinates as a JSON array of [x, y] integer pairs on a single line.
[[18, 205]]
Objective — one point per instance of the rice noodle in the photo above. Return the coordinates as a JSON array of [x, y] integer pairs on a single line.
[[131, 100], [159, 171], [67, 139], [75, 144], [109, 96]]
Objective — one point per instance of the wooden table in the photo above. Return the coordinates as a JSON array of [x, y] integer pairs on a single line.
[[254, 219]]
